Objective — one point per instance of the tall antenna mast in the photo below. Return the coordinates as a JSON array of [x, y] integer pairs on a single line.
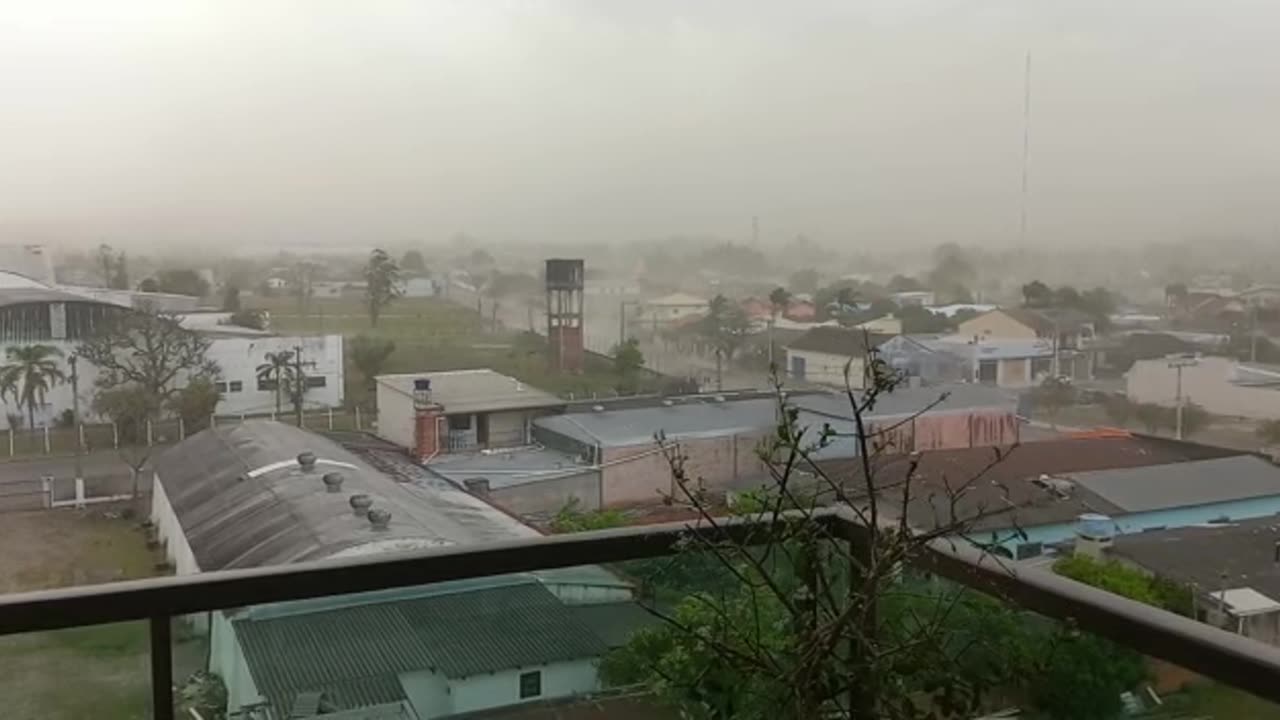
[[1026, 147]]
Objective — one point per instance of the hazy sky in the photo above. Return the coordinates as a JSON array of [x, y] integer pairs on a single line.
[[380, 121]]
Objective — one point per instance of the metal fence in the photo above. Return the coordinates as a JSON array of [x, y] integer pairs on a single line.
[[1214, 653], [94, 437]]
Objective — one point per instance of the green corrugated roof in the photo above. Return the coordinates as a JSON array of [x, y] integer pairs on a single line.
[[355, 654]]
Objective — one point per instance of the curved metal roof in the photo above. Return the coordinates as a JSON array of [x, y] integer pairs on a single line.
[[243, 501]]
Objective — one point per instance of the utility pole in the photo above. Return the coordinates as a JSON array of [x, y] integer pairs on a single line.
[[300, 382], [75, 418], [1177, 362]]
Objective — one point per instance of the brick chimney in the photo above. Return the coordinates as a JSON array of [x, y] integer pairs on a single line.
[[426, 421]]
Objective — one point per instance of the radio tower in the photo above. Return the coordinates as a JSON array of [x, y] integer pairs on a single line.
[[1026, 147]]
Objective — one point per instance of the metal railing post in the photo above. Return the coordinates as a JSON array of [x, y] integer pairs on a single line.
[[115, 436], [330, 418], [182, 429], [161, 668], [81, 433], [148, 433], [358, 418]]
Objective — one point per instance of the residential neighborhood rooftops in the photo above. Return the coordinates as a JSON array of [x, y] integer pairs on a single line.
[[840, 341], [678, 300], [904, 401], [1046, 321], [682, 418], [471, 391], [1213, 557]]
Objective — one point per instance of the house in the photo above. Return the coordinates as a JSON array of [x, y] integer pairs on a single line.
[[823, 353], [472, 410], [1010, 363], [1068, 333], [1221, 385], [1261, 296], [262, 493], [1028, 499], [1232, 567], [673, 308], [801, 310]]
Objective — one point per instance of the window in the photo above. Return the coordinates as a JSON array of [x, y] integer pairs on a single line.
[[530, 684], [266, 384], [220, 387], [236, 386], [315, 381], [459, 422]]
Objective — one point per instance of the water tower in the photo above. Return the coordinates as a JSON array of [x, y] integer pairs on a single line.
[[565, 280]]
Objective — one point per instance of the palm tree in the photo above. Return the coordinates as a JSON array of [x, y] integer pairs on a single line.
[[31, 372], [779, 300], [278, 369]]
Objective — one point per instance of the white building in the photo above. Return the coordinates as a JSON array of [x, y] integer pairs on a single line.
[[263, 493], [475, 409], [32, 313]]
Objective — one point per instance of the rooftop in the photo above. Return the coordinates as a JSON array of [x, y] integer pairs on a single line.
[[470, 391], [701, 417], [1184, 484], [354, 655], [838, 341], [243, 501], [1046, 320], [506, 468], [998, 491], [1212, 557]]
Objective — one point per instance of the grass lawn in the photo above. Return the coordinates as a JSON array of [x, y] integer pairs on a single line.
[[434, 335], [102, 672]]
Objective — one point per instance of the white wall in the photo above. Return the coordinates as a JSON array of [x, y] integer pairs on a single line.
[[226, 660], [562, 679], [395, 416], [428, 693], [169, 531], [239, 359]]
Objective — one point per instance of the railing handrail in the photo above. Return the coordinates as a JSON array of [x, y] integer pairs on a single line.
[[1233, 659]]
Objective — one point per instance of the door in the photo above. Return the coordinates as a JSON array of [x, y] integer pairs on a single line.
[[482, 430], [797, 367]]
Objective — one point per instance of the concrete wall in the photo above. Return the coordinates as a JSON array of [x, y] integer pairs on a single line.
[[1207, 384], [563, 679], [395, 416], [642, 473], [169, 531], [825, 368], [551, 494], [995, 324]]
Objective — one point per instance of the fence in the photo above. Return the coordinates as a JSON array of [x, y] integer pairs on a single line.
[[62, 441]]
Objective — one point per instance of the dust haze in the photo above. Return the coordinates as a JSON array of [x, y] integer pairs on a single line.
[[329, 123]]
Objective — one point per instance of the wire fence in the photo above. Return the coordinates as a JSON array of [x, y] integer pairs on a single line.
[[62, 440]]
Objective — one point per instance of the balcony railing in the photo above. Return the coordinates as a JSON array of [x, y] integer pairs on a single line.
[[1231, 659]]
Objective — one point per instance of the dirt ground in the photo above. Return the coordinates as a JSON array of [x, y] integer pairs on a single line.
[[103, 671]]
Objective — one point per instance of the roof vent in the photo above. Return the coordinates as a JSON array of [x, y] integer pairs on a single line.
[[719, 398], [360, 504], [597, 408], [380, 519], [668, 403], [307, 460], [477, 486], [332, 482]]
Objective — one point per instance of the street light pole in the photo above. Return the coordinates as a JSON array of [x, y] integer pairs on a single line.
[[1177, 362]]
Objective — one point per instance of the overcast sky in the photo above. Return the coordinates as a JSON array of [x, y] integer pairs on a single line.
[[858, 122]]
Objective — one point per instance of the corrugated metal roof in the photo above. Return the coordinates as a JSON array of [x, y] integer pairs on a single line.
[[1184, 484], [846, 342], [478, 390], [283, 515], [354, 654]]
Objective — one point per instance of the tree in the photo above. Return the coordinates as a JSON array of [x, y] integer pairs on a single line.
[[182, 282], [779, 301], [250, 318], [1036, 294], [129, 406], [370, 356], [725, 327], [953, 274], [195, 403], [627, 362], [1054, 394], [412, 262], [120, 278], [1065, 297], [31, 372], [903, 283], [803, 281], [1151, 416], [1118, 408], [1194, 419], [277, 372], [149, 285], [107, 264], [149, 349], [231, 298], [382, 279], [917, 319], [1175, 294]]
